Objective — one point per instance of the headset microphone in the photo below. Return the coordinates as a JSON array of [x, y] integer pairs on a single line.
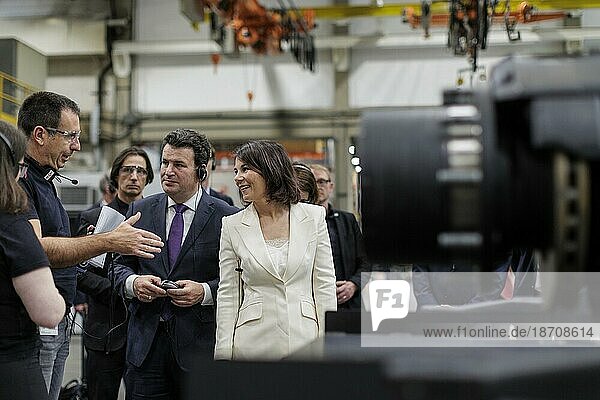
[[73, 181]]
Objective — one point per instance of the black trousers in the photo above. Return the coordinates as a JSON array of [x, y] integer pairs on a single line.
[[160, 377], [104, 373], [21, 379]]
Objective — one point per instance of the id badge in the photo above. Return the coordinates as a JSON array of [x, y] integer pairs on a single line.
[[49, 331]]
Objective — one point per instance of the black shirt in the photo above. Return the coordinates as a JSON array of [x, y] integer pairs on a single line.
[[20, 253], [47, 207]]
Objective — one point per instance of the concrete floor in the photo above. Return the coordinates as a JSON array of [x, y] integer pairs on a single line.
[[73, 366]]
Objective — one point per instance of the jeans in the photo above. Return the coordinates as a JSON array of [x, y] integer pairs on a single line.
[[53, 355]]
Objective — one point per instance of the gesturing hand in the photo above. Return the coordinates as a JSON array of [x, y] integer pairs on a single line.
[[133, 241]]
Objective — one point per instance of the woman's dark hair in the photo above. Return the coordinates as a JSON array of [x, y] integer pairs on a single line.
[[13, 199], [120, 159], [306, 181], [269, 159]]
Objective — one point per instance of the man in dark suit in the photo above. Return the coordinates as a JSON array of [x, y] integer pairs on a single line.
[[105, 327], [210, 167], [347, 247], [169, 328]]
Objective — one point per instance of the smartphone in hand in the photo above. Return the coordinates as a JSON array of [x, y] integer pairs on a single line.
[[167, 284]]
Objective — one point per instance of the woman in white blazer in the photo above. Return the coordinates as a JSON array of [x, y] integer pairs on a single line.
[[277, 274]]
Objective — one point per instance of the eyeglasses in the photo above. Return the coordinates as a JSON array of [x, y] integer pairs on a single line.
[[322, 182], [72, 136], [23, 169], [130, 169]]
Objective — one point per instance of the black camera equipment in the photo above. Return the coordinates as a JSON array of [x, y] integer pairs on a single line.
[[513, 165]]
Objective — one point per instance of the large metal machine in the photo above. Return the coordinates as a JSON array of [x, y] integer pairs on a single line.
[[514, 165]]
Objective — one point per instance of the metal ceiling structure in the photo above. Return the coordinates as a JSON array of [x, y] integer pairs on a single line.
[[397, 9]]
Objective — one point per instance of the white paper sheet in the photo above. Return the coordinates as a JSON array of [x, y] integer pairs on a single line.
[[108, 220]]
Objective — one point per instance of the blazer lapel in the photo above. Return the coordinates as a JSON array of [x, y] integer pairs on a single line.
[[300, 235], [251, 234], [160, 225], [204, 210]]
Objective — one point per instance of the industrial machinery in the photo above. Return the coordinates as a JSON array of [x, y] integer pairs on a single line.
[[514, 165]]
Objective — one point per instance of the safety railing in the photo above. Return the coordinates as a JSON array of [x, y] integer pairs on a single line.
[[12, 94]]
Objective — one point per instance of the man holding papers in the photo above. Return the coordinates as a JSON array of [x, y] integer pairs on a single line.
[[105, 328]]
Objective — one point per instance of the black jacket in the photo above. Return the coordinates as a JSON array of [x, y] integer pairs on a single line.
[[101, 295], [352, 250], [221, 196]]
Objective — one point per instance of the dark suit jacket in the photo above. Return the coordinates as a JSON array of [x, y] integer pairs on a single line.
[[101, 297], [221, 196], [352, 251], [192, 328]]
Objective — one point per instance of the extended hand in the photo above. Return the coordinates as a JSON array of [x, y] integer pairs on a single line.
[[146, 289], [344, 291], [189, 294], [133, 241]]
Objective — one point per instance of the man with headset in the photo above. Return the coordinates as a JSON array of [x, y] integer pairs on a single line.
[[211, 166], [172, 314], [51, 123], [105, 327]]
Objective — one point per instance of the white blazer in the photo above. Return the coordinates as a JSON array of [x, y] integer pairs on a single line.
[[279, 314]]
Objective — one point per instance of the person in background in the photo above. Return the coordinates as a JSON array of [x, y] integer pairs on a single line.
[[105, 327], [277, 276], [347, 245], [28, 296], [107, 192], [210, 167], [309, 193], [51, 123], [514, 276], [170, 329]]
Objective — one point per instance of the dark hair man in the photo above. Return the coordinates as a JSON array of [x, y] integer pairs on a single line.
[[347, 246], [168, 328], [51, 123], [107, 192], [210, 167]]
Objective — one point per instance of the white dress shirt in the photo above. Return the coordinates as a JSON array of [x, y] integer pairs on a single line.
[[188, 218]]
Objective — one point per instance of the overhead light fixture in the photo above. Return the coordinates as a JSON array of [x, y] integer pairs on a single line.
[[351, 149], [355, 161]]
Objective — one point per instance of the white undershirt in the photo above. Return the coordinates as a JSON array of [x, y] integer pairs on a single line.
[[278, 251], [188, 218]]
